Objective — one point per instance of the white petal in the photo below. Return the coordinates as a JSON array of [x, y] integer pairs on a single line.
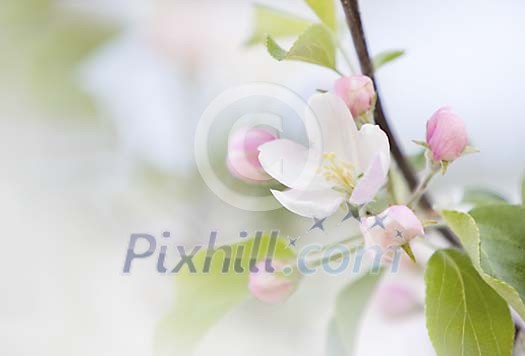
[[291, 164], [368, 186], [330, 126], [371, 142], [318, 203]]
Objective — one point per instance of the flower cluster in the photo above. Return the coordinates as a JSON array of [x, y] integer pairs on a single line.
[[346, 164]]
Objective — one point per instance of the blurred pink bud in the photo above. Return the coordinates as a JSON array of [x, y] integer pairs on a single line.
[[271, 287], [394, 227], [446, 135], [396, 299], [243, 161], [357, 91]]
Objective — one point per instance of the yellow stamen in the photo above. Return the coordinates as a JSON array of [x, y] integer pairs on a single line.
[[338, 172]]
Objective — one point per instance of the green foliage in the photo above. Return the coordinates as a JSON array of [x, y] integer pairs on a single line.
[[275, 23], [385, 57], [481, 197], [350, 306], [316, 45], [502, 238], [464, 315], [42, 45], [494, 238], [325, 10], [204, 298]]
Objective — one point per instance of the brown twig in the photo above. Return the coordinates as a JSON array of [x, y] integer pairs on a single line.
[[353, 18]]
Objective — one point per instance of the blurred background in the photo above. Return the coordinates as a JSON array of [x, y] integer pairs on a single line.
[[99, 101]]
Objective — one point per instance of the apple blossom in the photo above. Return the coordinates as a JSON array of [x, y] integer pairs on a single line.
[[271, 287], [394, 227], [242, 160], [352, 164], [357, 91], [446, 135]]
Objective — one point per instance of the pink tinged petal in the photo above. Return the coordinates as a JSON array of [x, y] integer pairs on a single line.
[[368, 186], [407, 219], [291, 164], [330, 126], [270, 287], [372, 141], [242, 160], [399, 225], [357, 91], [446, 135], [250, 174], [310, 204]]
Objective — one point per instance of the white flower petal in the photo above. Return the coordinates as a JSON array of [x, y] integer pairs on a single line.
[[330, 126], [318, 203], [372, 141], [373, 179], [291, 164]]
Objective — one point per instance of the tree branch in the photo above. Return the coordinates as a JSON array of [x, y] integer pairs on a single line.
[[353, 18]]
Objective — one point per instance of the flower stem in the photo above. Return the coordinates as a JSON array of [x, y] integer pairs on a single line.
[[422, 187]]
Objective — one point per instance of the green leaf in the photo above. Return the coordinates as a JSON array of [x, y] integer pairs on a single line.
[[325, 10], [316, 45], [350, 306], [464, 315], [481, 197], [406, 247], [502, 248], [204, 298], [276, 23], [385, 57], [477, 240]]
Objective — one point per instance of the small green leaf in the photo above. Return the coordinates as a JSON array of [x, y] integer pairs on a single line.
[[406, 247], [325, 10], [464, 315], [316, 45], [276, 23], [204, 298], [469, 150], [466, 229], [481, 197], [385, 57], [350, 306]]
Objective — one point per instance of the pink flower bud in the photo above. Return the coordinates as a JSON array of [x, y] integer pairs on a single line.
[[446, 135], [271, 287], [243, 161], [357, 91], [396, 299], [394, 227]]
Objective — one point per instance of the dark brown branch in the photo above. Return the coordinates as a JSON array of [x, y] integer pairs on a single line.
[[353, 18]]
